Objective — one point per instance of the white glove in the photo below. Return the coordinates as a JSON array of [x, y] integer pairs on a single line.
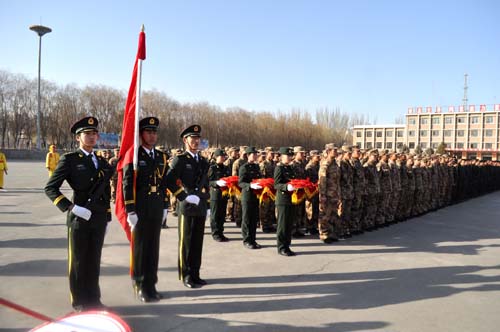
[[255, 186], [193, 199], [165, 214], [289, 187], [208, 213], [81, 212], [221, 183], [132, 220]]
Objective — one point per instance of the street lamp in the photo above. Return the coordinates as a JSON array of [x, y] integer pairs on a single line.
[[40, 30]]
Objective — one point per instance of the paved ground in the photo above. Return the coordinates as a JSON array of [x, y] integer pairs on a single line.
[[439, 272]]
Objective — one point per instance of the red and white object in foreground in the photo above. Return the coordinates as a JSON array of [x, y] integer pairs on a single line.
[[89, 321]]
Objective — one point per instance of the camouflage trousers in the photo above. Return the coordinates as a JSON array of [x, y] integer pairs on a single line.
[[299, 217], [382, 208], [267, 215], [345, 215], [393, 205], [369, 211], [356, 212], [329, 223], [113, 189], [312, 213], [230, 209], [417, 207]]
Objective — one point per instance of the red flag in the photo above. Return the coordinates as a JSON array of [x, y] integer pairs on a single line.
[[130, 135]]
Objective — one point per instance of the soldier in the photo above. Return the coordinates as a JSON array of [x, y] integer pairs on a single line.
[[88, 214], [329, 196], [3, 168], [312, 205], [383, 205], [372, 191], [403, 197], [235, 171], [249, 201], [267, 209], [359, 191], [409, 194], [283, 173], [173, 199], [396, 187], [299, 210], [346, 188], [417, 208], [233, 156], [187, 179], [146, 208], [218, 203], [51, 159], [113, 162]]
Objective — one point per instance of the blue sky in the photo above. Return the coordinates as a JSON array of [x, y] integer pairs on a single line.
[[368, 57]]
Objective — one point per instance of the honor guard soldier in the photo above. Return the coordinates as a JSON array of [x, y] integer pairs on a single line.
[[88, 213], [187, 179], [283, 173], [51, 159], [249, 201], [146, 209], [218, 203], [3, 168]]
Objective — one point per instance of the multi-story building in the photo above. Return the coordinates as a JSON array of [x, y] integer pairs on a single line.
[[470, 134]]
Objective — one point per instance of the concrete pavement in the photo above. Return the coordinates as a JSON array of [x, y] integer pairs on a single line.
[[438, 272]]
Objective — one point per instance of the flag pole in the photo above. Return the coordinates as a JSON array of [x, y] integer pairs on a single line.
[[137, 109]]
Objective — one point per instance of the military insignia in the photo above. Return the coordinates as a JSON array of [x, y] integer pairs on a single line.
[[153, 189], [81, 167], [80, 155], [142, 163], [188, 166], [196, 129], [152, 121], [91, 121]]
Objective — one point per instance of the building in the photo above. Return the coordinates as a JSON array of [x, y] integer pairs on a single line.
[[471, 134]]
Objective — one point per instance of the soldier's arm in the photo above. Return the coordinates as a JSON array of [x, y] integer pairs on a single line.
[[243, 180], [235, 168], [173, 175], [128, 187], [163, 182], [322, 179], [279, 179], [212, 176], [55, 182]]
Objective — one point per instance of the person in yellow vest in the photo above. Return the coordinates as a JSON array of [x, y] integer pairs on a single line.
[[52, 159], [3, 168]]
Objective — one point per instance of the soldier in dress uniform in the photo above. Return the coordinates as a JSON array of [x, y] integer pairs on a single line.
[[283, 173], [218, 203], [312, 205], [249, 201], [52, 159], [146, 208], [88, 212], [267, 209], [187, 179]]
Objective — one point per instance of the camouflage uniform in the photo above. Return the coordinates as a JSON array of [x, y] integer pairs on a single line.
[[419, 191], [384, 197], [346, 188], [230, 203], [403, 194], [312, 205], [299, 210], [329, 199], [267, 209], [359, 191], [373, 194], [409, 193], [395, 193]]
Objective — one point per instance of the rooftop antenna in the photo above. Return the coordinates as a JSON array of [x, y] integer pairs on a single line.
[[465, 100]]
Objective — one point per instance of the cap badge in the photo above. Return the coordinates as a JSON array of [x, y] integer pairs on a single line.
[[91, 121], [151, 121]]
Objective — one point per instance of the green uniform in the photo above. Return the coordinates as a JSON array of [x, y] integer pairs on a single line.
[[148, 202], [218, 203], [282, 175], [249, 201], [85, 238]]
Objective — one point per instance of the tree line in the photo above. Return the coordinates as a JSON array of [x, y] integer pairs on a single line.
[[63, 105]]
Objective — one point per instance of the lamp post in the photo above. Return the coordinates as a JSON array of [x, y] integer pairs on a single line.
[[40, 30]]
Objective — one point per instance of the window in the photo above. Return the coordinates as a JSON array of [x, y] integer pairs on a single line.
[[400, 133], [411, 121], [358, 134], [460, 145], [369, 134], [379, 145], [379, 134], [358, 144], [399, 145], [435, 133], [473, 145], [488, 119], [488, 132], [434, 145], [424, 121], [411, 145], [423, 145], [474, 133], [388, 145], [488, 145], [460, 133], [369, 145], [435, 120], [388, 133], [447, 133], [448, 119], [423, 133], [474, 119], [461, 119], [448, 145], [411, 133]]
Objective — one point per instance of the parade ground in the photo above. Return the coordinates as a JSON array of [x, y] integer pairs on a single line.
[[438, 272]]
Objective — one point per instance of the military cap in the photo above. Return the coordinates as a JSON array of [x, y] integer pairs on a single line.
[[231, 149], [313, 153], [219, 152], [298, 148], [194, 130], [346, 148], [269, 149], [149, 122], [330, 146], [373, 152], [86, 124], [251, 149], [286, 150]]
